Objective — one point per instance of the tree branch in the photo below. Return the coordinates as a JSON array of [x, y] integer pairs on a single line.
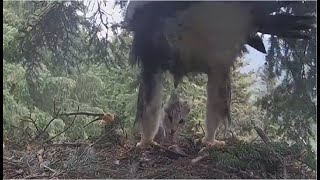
[[82, 113], [64, 129], [97, 119], [263, 136], [46, 127]]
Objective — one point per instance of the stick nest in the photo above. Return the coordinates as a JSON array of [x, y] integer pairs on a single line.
[[237, 160]]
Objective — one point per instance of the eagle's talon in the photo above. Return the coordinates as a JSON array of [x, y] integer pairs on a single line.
[[143, 144], [210, 143]]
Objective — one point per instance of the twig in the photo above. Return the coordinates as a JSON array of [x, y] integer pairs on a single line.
[[91, 145], [243, 173], [171, 151], [47, 167], [97, 119], [201, 127], [13, 162], [64, 129], [101, 16], [22, 130], [263, 136], [254, 139], [36, 176], [30, 120], [54, 106], [69, 144], [215, 169], [199, 158], [82, 113], [46, 127]]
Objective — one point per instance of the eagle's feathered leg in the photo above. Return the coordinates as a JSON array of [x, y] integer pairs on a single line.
[[149, 105], [217, 93], [227, 111]]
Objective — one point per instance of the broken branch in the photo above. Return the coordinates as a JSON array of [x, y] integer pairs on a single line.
[[263, 135], [82, 113], [64, 129]]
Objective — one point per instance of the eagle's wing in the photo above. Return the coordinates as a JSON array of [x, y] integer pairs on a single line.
[[267, 19], [286, 26]]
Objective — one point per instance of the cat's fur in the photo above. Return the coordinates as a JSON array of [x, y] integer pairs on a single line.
[[173, 117]]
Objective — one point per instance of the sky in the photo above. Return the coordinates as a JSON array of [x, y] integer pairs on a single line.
[[255, 58]]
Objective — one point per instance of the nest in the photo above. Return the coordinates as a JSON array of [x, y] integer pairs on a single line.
[[236, 160]]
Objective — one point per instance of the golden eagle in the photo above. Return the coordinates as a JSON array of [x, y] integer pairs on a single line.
[[202, 37]]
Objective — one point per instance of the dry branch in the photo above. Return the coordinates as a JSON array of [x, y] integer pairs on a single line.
[[46, 127], [107, 118], [263, 135], [29, 119], [70, 144], [216, 170], [64, 129], [243, 173], [37, 177], [82, 113], [30, 136], [97, 119]]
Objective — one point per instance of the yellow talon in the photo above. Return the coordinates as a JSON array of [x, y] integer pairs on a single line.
[[212, 143], [143, 144]]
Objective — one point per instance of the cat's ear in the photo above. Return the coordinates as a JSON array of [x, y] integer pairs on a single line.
[[187, 106]]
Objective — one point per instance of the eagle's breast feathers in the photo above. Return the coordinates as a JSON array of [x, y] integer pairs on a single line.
[[200, 34], [187, 37]]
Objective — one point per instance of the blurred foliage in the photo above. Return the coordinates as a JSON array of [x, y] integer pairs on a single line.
[[290, 104], [258, 157]]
